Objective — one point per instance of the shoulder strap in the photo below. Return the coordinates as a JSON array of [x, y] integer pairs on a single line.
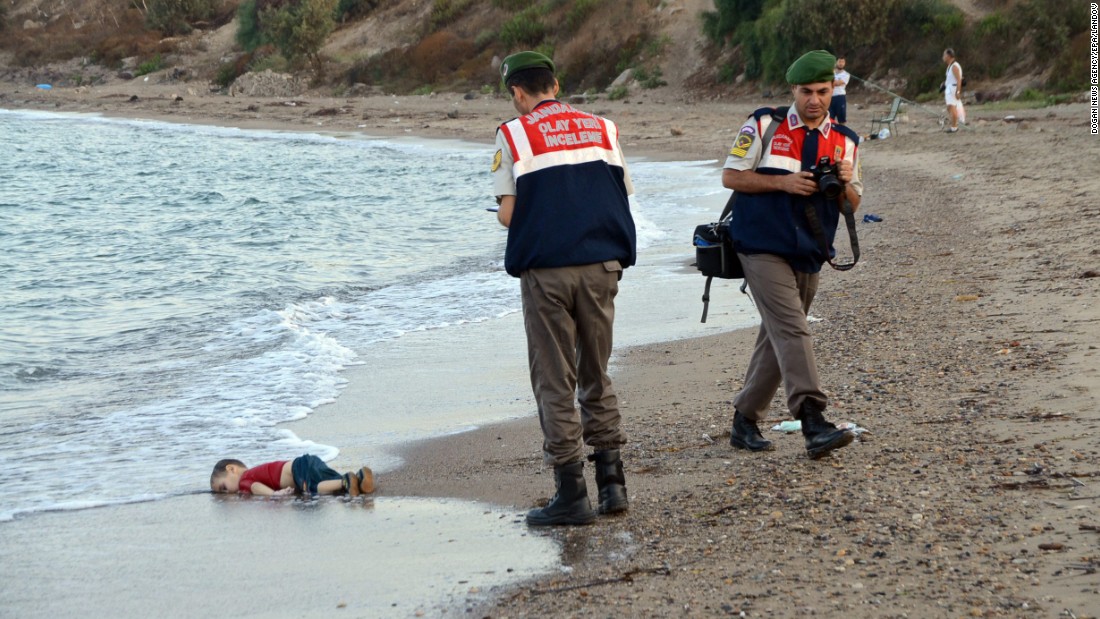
[[706, 298], [778, 114]]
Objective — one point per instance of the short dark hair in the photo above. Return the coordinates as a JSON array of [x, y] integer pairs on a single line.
[[950, 52], [532, 81], [219, 468]]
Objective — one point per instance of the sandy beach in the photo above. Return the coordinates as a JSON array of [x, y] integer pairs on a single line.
[[965, 342]]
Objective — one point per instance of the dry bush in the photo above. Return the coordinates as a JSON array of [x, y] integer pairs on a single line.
[[591, 57], [441, 59], [106, 39], [478, 70], [439, 54]]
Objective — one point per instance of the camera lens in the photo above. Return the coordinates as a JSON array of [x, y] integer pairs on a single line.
[[830, 185]]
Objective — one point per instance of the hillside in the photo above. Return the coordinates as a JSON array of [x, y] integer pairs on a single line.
[[453, 45]]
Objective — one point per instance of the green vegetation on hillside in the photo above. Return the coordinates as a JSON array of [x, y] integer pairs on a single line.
[[275, 34], [905, 37], [593, 41], [176, 16]]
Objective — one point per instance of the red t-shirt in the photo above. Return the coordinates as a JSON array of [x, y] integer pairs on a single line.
[[268, 474]]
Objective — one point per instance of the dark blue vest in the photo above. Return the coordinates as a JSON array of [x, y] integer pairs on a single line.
[[775, 222], [572, 208]]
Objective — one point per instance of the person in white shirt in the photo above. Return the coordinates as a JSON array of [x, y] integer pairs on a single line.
[[952, 89], [838, 109]]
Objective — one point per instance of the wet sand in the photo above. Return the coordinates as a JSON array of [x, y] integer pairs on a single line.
[[965, 341], [207, 556]]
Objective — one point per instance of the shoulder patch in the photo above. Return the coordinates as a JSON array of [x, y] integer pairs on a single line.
[[743, 142], [496, 160]]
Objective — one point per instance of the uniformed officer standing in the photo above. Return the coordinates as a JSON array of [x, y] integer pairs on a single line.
[[561, 182], [781, 255]]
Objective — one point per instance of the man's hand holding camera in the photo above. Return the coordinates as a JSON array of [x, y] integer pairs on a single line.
[[807, 183]]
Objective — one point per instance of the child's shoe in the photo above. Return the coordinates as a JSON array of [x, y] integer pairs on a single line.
[[359, 483], [351, 484], [366, 480]]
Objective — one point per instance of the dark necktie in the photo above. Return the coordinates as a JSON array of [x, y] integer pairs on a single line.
[[809, 149]]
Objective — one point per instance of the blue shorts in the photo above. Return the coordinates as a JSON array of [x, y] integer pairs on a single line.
[[838, 108], [309, 471]]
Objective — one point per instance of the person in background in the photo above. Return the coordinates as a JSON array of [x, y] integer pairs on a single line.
[[781, 256], [838, 108], [952, 91], [562, 186]]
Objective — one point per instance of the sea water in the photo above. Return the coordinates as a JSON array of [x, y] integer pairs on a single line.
[[173, 294]]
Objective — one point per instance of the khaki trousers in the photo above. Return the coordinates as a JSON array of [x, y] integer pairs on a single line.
[[784, 349], [568, 314]]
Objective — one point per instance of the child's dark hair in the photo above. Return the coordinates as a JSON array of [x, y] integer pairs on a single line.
[[533, 81], [219, 468]]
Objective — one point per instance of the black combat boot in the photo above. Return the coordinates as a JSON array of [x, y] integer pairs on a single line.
[[570, 504], [611, 481], [746, 434], [821, 436]]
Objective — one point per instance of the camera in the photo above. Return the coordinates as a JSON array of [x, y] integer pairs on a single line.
[[825, 175]]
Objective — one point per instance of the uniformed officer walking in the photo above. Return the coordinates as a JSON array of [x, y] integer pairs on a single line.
[[772, 231]]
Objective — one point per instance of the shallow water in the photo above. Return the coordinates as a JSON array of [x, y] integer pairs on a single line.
[[177, 293]]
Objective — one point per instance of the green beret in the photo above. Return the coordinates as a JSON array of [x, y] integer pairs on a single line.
[[812, 67], [525, 60]]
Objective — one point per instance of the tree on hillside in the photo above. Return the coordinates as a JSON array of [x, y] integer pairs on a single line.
[[906, 36], [352, 9], [249, 34], [299, 29], [174, 17], [728, 16]]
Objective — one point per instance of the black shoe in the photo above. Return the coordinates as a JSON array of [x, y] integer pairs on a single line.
[[746, 434], [570, 504], [821, 436], [611, 481]]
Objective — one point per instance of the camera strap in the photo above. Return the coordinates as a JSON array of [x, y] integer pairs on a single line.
[[845, 208]]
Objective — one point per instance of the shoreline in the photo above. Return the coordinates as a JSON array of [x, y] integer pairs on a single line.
[[653, 125], [965, 342]]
